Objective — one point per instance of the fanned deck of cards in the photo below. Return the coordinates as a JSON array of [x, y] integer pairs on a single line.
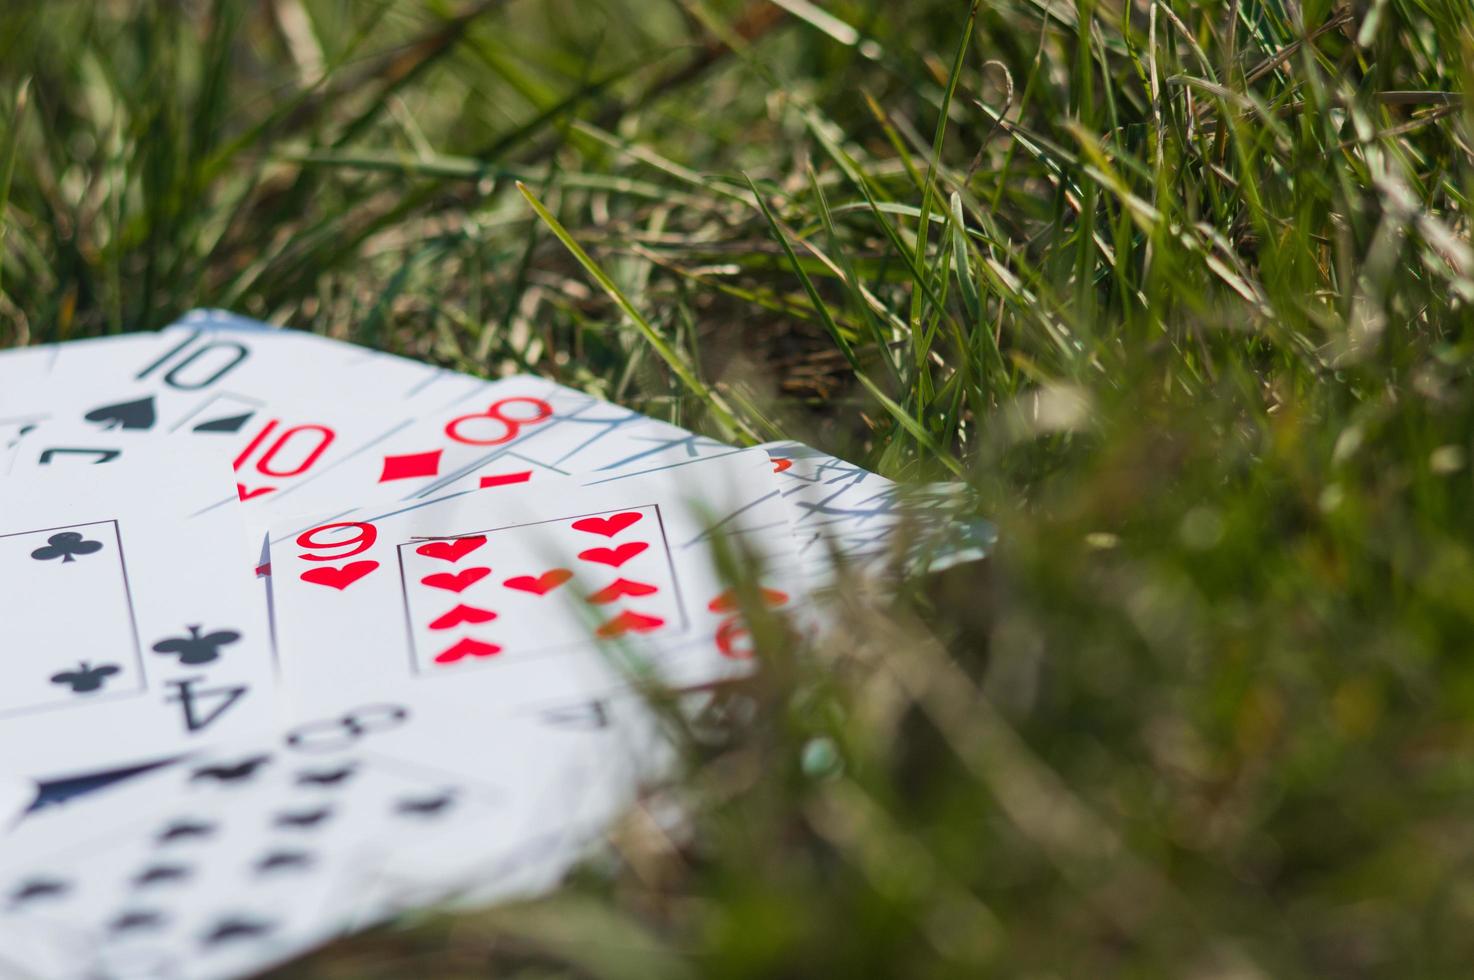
[[296, 636]]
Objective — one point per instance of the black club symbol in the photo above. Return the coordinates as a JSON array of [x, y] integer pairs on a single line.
[[135, 920], [184, 830], [160, 874], [328, 777], [283, 861], [303, 819], [66, 545], [197, 649], [86, 678], [230, 772], [234, 928], [430, 806], [34, 888]]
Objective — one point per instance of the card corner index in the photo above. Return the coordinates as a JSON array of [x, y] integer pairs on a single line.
[[82, 654]]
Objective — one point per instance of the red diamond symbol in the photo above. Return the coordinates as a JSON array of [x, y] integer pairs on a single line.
[[502, 479], [410, 465]]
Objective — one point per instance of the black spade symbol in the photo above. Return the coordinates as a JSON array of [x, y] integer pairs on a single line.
[[125, 415], [231, 424]]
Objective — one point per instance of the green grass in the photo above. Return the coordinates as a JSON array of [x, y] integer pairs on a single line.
[[1183, 289]]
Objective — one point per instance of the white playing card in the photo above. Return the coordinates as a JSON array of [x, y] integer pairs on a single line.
[[511, 596], [16, 795], [461, 434], [628, 752], [33, 379], [230, 862], [132, 630], [451, 561], [844, 515], [470, 434], [282, 406]]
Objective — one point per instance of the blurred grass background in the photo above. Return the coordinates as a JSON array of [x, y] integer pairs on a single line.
[[1181, 287]]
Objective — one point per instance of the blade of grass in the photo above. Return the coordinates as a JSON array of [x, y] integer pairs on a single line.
[[733, 426], [7, 164], [910, 425]]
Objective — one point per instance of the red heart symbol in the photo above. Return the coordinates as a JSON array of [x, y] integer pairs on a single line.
[[629, 622], [540, 584], [727, 601], [452, 550], [614, 556], [466, 647], [339, 578], [462, 613], [607, 526], [621, 587], [455, 581]]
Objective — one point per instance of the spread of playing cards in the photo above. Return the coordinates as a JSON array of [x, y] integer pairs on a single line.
[[299, 636]]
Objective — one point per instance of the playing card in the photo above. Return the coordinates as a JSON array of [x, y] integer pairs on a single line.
[[467, 579], [130, 618], [281, 405], [844, 516], [495, 434], [16, 796], [232, 861], [563, 817], [629, 752], [459, 433], [509, 596], [34, 378]]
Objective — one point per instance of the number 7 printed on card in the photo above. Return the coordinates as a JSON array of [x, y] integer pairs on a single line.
[[509, 596]]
